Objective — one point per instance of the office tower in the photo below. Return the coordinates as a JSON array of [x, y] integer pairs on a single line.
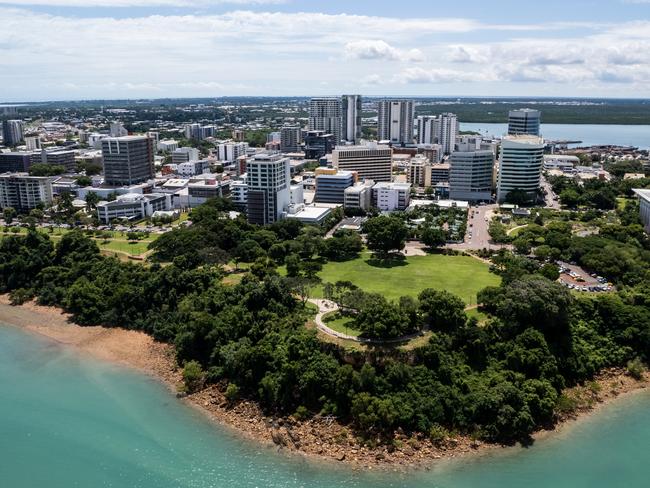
[[24, 192], [325, 115], [418, 172], [395, 121], [12, 162], [520, 165], [117, 130], [185, 155], [331, 185], [427, 128], [472, 168], [524, 121], [291, 139], [371, 162], [127, 160], [351, 131], [447, 132], [318, 143], [268, 177], [12, 132]]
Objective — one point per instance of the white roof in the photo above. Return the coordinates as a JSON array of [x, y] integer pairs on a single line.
[[643, 194]]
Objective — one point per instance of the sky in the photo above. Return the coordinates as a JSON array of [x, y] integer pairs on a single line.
[[110, 49]]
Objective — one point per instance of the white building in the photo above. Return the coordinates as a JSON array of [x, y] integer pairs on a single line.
[[325, 115], [33, 143], [351, 118], [168, 145], [268, 177], [395, 121], [371, 162], [418, 172], [133, 206], [562, 162], [230, 151], [447, 132], [184, 155], [239, 194], [359, 195], [389, 197], [24, 192], [193, 168], [644, 207], [117, 130], [520, 165], [472, 169], [426, 129]]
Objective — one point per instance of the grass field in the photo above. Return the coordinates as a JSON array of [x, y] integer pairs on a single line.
[[117, 242], [341, 324], [461, 275]]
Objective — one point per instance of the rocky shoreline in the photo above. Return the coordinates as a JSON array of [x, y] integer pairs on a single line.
[[319, 437]]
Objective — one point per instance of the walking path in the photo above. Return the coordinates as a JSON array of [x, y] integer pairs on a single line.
[[327, 306]]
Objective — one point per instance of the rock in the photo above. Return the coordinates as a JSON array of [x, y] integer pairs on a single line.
[[295, 438], [181, 394], [278, 438], [390, 448], [475, 444], [380, 456], [340, 456]]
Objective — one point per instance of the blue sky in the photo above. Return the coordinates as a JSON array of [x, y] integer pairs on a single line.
[[76, 49]]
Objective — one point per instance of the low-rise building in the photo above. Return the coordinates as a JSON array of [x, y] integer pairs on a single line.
[[167, 145], [239, 194], [359, 196], [184, 155], [311, 214], [193, 168], [331, 185], [133, 206], [644, 207], [389, 197], [13, 162]]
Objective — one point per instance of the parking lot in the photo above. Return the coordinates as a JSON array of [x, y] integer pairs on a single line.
[[575, 278]]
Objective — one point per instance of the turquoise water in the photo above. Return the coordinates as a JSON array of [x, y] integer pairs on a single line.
[[67, 421], [589, 134]]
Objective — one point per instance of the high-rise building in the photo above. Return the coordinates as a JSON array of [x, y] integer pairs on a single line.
[[426, 126], [351, 131], [12, 132], [318, 143], [395, 121], [472, 168], [520, 165], [371, 162], [447, 132], [268, 177], [291, 139], [524, 121], [57, 157], [24, 192], [33, 143], [127, 160], [418, 172], [199, 132], [325, 115]]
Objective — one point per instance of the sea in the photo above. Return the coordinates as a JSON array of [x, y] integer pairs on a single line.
[[589, 134], [67, 420]]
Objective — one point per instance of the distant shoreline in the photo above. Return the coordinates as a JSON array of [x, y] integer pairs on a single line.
[[317, 438]]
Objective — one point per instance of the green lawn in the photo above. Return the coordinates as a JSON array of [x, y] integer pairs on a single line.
[[342, 325], [461, 275]]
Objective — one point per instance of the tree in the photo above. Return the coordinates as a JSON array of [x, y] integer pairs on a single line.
[[385, 234], [443, 311], [92, 199], [518, 197], [9, 213], [292, 262], [249, 250], [40, 169], [433, 237], [498, 233], [84, 181], [570, 197]]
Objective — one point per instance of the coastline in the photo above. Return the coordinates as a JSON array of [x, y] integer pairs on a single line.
[[318, 438]]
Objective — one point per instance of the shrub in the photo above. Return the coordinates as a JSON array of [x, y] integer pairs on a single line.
[[438, 434], [635, 369], [20, 296], [301, 413], [232, 393], [193, 377]]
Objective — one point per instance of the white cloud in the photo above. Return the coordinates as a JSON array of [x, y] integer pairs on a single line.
[[378, 49], [243, 52], [138, 3]]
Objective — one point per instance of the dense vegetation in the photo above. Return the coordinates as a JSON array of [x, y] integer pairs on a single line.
[[498, 381]]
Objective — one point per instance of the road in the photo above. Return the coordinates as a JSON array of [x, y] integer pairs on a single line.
[[549, 198], [477, 236]]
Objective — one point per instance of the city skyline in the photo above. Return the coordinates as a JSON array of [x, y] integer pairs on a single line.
[[73, 49]]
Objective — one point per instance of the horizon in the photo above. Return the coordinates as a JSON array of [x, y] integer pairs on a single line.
[[65, 50]]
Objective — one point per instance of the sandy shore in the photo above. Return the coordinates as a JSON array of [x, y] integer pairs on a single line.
[[319, 438]]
